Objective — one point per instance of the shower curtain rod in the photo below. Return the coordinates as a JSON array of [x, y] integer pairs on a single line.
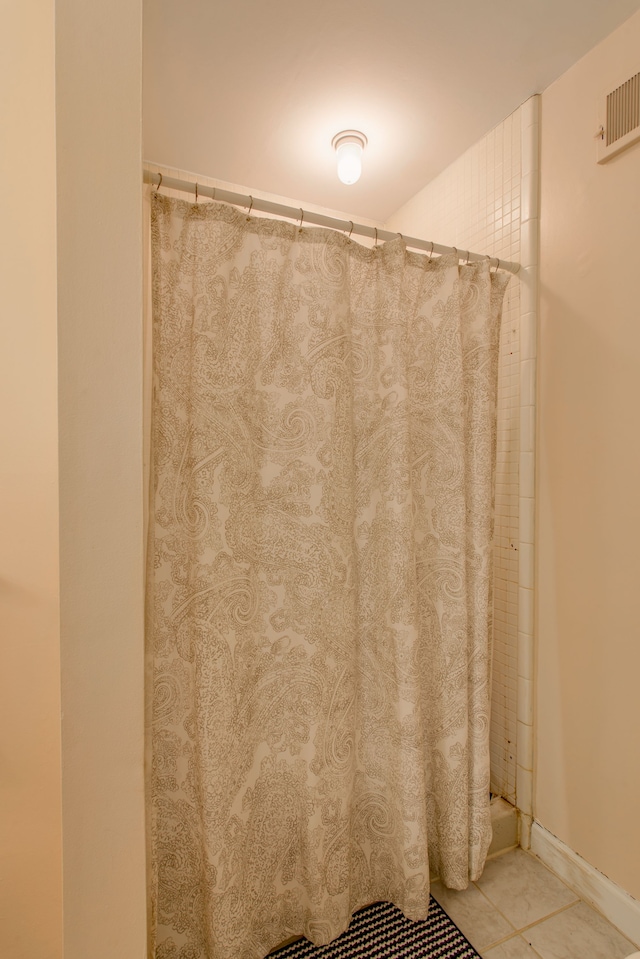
[[317, 219]]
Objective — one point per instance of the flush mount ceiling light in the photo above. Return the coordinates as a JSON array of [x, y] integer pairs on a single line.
[[349, 146]]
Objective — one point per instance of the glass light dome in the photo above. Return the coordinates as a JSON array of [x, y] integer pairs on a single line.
[[349, 146]]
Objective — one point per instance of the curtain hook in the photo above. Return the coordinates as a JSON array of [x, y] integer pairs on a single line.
[[375, 245], [497, 265], [250, 208], [213, 195], [431, 252], [196, 191], [467, 259], [301, 217], [401, 237], [351, 230], [159, 183]]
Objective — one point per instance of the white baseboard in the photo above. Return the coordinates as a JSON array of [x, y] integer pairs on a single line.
[[621, 909]]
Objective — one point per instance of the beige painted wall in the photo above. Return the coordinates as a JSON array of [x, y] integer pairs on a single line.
[[71, 576], [587, 788], [98, 99], [30, 814]]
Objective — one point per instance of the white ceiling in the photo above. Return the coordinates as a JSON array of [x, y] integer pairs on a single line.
[[252, 91]]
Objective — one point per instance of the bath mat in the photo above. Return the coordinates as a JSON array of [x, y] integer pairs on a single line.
[[380, 931]]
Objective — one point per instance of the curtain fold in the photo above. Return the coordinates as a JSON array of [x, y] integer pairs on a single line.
[[319, 578]]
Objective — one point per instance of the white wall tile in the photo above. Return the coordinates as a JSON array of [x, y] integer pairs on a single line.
[[528, 290], [527, 429], [530, 200], [527, 474], [530, 152], [525, 610], [528, 382], [525, 655], [525, 743], [527, 519], [475, 204], [525, 554], [529, 243], [524, 789], [525, 701]]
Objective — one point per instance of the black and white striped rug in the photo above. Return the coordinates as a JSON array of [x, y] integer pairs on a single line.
[[380, 931]]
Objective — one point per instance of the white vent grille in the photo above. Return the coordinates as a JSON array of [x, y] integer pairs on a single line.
[[623, 110], [620, 119]]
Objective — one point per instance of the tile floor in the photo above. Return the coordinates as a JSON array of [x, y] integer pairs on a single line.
[[519, 909]]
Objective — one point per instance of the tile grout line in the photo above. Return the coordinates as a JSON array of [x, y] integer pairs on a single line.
[[549, 915], [576, 901], [531, 925], [485, 954]]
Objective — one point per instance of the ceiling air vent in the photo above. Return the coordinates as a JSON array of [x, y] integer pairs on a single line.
[[619, 119]]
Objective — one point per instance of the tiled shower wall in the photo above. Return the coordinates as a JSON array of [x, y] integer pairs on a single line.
[[475, 204]]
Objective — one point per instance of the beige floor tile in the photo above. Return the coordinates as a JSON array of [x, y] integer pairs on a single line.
[[578, 933], [473, 914], [515, 948], [523, 889]]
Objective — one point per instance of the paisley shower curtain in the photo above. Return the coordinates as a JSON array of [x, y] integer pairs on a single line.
[[319, 588]]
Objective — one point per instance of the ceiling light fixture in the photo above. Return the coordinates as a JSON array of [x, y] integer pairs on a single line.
[[349, 146]]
